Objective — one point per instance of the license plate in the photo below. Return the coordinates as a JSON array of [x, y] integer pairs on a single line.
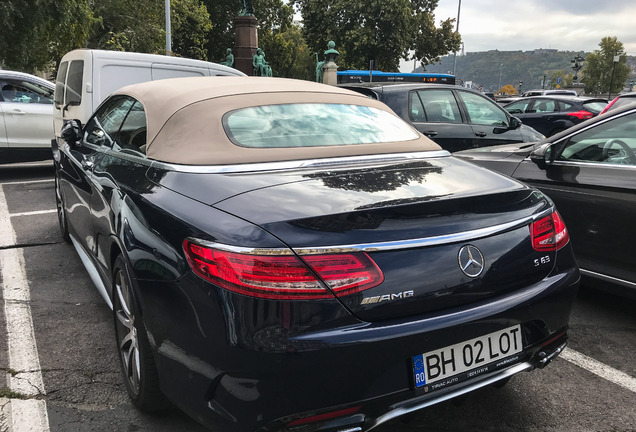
[[442, 366]]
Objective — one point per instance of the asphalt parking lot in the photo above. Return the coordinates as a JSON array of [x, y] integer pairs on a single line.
[[61, 372]]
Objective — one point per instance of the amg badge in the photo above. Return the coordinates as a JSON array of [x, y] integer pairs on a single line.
[[387, 297]]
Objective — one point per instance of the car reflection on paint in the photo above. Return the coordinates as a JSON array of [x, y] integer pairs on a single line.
[[284, 255]]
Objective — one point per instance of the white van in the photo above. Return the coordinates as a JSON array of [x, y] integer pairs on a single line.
[[86, 77]]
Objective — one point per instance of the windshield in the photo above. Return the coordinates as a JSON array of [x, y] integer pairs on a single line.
[[314, 125]]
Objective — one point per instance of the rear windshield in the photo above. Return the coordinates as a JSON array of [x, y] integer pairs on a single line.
[[595, 107], [314, 125]]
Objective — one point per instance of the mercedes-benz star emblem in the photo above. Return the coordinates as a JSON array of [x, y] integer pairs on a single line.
[[471, 261]]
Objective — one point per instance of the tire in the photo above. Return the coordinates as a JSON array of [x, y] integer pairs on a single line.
[[61, 211], [135, 354]]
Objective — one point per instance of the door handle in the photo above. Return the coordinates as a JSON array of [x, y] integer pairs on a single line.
[[87, 164], [430, 133], [480, 134], [16, 112]]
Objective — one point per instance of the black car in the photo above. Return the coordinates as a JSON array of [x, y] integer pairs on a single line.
[[454, 117], [286, 255], [589, 171], [553, 114]]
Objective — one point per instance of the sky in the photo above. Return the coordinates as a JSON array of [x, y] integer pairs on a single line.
[[565, 25]]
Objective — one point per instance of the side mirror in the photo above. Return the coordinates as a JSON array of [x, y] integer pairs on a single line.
[[515, 123], [542, 156], [71, 131]]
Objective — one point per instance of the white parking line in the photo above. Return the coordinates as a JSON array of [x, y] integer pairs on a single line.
[[32, 213], [26, 376], [599, 369], [26, 182]]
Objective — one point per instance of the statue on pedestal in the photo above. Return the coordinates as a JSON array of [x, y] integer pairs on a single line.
[[229, 58], [319, 72], [331, 53], [261, 67], [246, 8]]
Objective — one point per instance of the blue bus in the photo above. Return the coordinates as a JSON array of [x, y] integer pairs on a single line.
[[359, 76]]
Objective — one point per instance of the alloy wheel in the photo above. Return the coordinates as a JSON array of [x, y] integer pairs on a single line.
[[126, 332]]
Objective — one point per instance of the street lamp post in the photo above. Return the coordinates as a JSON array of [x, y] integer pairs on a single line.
[[168, 33], [459, 8], [500, 71], [616, 59]]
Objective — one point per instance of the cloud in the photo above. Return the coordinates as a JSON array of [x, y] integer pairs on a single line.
[[527, 25]]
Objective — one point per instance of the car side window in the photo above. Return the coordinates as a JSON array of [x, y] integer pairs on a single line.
[[482, 111], [132, 134], [102, 128], [21, 91], [544, 105], [435, 106], [612, 142], [518, 107]]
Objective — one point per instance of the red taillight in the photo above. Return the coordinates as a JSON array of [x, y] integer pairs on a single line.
[[581, 115], [325, 416], [284, 276], [549, 233]]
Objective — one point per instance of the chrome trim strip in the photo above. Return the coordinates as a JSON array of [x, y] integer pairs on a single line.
[[380, 246], [408, 408], [591, 164], [241, 250], [607, 278], [286, 165]]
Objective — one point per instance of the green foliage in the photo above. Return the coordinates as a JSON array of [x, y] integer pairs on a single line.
[[36, 33], [379, 30], [600, 72], [190, 25], [129, 25], [288, 54], [285, 49], [221, 37]]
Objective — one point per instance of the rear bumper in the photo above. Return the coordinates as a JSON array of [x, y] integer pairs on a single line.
[[364, 369]]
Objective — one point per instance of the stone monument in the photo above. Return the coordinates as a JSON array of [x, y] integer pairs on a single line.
[[246, 37], [330, 69]]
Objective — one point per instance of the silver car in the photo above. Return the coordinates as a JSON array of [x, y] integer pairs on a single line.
[[26, 123]]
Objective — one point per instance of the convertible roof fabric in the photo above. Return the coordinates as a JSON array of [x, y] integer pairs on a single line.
[[185, 119]]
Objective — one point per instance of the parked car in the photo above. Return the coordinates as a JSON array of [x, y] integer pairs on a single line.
[[454, 117], [589, 171], [553, 114], [286, 255], [86, 77], [551, 92], [26, 117], [620, 101]]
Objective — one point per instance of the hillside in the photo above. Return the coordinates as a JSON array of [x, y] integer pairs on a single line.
[[493, 69]]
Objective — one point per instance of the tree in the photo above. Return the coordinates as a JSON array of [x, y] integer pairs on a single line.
[[129, 25], [380, 30], [190, 26], [36, 33], [508, 89], [600, 73], [221, 37], [275, 36]]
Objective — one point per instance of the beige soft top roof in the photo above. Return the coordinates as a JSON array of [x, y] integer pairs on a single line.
[[184, 119]]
